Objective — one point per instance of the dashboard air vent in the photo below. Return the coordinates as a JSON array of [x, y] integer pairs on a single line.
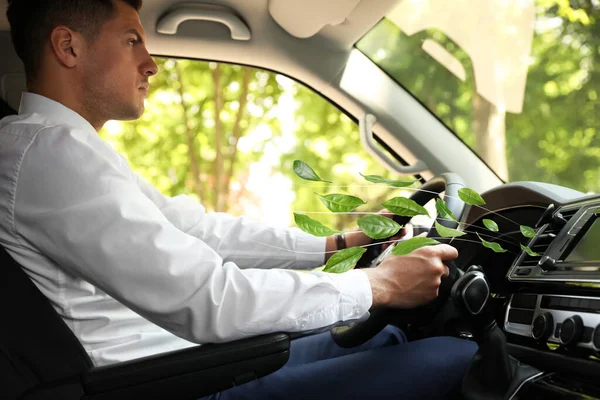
[[543, 241]]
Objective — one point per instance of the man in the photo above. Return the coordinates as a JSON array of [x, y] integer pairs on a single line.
[[134, 273]]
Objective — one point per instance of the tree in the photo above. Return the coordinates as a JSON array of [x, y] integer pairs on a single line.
[[181, 147], [555, 138], [559, 131], [188, 139]]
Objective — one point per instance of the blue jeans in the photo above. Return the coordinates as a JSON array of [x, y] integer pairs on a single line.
[[386, 367]]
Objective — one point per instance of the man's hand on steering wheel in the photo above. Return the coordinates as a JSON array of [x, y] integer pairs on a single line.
[[412, 280], [415, 302]]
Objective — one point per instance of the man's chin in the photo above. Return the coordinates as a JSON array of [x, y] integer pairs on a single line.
[[130, 113]]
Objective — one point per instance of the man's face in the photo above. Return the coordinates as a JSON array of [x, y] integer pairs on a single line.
[[117, 67]]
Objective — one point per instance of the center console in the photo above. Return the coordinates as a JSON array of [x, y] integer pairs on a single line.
[[571, 321], [567, 243], [555, 307]]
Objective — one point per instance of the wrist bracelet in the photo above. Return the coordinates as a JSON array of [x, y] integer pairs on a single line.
[[340, 241]]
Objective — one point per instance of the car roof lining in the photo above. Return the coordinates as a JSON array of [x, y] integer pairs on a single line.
[[339, 22], [316, 60]]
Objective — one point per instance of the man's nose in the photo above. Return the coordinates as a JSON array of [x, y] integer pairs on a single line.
[[149, 67]]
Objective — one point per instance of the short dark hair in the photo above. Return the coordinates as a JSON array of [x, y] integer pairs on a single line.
[[32, 21]]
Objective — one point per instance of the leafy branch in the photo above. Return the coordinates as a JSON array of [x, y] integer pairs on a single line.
[[379, 227]]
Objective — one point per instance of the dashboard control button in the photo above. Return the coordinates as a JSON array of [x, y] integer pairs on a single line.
[[527, 301], [596, 338], [557, 330], [571, 330], [551, 302], [563, 302], [585, 304], [523, 271], [574, 303], [542, 327], [520, 316]]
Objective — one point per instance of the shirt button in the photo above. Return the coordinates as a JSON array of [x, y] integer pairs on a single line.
[[303, 325]]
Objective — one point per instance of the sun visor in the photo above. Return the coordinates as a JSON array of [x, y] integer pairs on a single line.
[[306, 18]]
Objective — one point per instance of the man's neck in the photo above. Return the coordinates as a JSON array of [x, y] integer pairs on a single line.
[[68, 99]]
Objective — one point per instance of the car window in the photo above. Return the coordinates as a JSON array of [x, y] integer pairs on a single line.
[[517, 80], [228, 135]]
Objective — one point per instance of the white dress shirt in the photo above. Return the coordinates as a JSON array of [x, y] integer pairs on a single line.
[[133, 272]]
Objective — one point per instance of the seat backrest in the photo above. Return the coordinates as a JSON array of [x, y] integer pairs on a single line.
[[36, 346], [6, 109]]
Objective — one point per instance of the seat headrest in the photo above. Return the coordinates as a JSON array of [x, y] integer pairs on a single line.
[[12, 85]]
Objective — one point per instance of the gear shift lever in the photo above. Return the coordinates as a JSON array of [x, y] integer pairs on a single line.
[[493, 374]]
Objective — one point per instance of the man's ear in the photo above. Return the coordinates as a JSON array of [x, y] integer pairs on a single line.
[[67, 45]]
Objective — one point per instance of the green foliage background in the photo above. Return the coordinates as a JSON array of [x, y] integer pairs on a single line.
[[174, 144], [556, 138]]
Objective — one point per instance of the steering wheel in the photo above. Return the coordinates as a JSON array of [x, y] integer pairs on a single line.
[[358, 333]]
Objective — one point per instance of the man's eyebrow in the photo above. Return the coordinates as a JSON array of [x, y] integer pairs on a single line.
[[136, 33]]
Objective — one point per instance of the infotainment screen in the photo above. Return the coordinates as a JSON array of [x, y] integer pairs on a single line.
[[587, 248]]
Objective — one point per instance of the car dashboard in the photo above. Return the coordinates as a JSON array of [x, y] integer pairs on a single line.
[[548, 303]]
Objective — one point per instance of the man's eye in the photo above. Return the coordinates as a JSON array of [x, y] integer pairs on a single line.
[[132, 42]]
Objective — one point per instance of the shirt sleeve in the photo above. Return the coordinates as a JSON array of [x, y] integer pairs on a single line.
[[81, 210], [248, 243]]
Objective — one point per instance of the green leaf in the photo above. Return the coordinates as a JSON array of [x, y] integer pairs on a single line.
[[344, 260], [378, 227], [443, 210], [381, 179], [313, 227], [341, 202], [408, 246], [491, 225], [470, 197], [527, 231], [305, 172], [447, 232], [529, 251], [404, 207], [492, 245]]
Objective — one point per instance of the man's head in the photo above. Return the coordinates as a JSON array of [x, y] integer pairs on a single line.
[[89, 52]]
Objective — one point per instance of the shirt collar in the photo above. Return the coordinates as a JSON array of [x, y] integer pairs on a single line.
[[56, 112]]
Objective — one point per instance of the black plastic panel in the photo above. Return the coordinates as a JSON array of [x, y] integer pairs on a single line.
[[196, 384], [527, 301], [520, 316], [205, 369], [553, 362], [570, 304]]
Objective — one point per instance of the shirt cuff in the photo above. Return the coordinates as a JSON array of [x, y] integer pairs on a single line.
[[310, 250], [356, 295]]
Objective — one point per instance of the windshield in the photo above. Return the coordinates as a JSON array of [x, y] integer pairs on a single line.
[[516, 80]]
